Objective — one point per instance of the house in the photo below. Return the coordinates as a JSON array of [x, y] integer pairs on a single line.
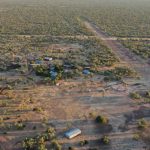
[[72, 133], [48, 58], [69, 66], [38, 62]]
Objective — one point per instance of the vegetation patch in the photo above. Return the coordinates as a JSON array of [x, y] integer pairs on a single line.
[[118, 73], [102, 57], [142, 124], [136, 137], [83, 143], [102, 120], [39, 142], [62, 18], [143, 96], [135, 95], [105, 140], [139, 47]]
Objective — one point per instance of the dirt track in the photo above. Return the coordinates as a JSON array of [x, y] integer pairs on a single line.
[[125, 55], [124, 105]]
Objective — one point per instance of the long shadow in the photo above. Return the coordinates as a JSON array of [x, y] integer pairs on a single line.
[[101, 101], [133, 116]]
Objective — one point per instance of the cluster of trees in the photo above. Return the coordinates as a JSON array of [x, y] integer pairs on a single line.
[[39, 142]]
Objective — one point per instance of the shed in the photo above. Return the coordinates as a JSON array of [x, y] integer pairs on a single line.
[[38, 62], [53, 74], [48, 58], [72, 133], [86, 71]]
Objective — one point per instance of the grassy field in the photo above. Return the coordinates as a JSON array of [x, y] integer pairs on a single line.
[[60, 17], [139, 47], [80, 52]]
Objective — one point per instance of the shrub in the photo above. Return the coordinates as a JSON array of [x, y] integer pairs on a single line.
[[92, 114], [136, 137], [142, 124], [20, 126], [42, 147], [51, 133], [38, 109], [56, 145], [42, 71], [85, 142], [41, 143], [102, 120], [70, 148], [135, 95], [29, 143], [147, 94], [105, 140]]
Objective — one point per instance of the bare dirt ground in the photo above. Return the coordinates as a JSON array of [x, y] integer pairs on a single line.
[[76, 103], [70, 105]]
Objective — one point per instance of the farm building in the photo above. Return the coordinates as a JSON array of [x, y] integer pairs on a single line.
[[86, 72], [73, 133], [48, 58]]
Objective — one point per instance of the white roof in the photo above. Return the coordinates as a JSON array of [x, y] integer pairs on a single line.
[[72, 133], [48, 58]]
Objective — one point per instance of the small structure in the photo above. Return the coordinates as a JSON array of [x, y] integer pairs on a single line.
[[48, 58], [69, 66], [39, 62], [53, 74], [72, 133], [86, 72]]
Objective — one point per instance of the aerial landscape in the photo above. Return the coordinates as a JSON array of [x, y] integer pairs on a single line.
[[74, 74]]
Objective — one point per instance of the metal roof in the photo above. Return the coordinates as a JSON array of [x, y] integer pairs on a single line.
[[72, 133]]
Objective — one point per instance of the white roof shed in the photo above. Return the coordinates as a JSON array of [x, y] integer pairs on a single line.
[[73, 133]]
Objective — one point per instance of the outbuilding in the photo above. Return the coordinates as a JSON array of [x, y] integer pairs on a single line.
[[48, 58], [72, 133], [86, 72]]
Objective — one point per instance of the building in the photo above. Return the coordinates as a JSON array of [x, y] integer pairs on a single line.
[[72, 133], [48, 58], [86, 72]]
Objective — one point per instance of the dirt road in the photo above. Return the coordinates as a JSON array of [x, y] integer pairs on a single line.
[[125, 55], [142, 67]]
